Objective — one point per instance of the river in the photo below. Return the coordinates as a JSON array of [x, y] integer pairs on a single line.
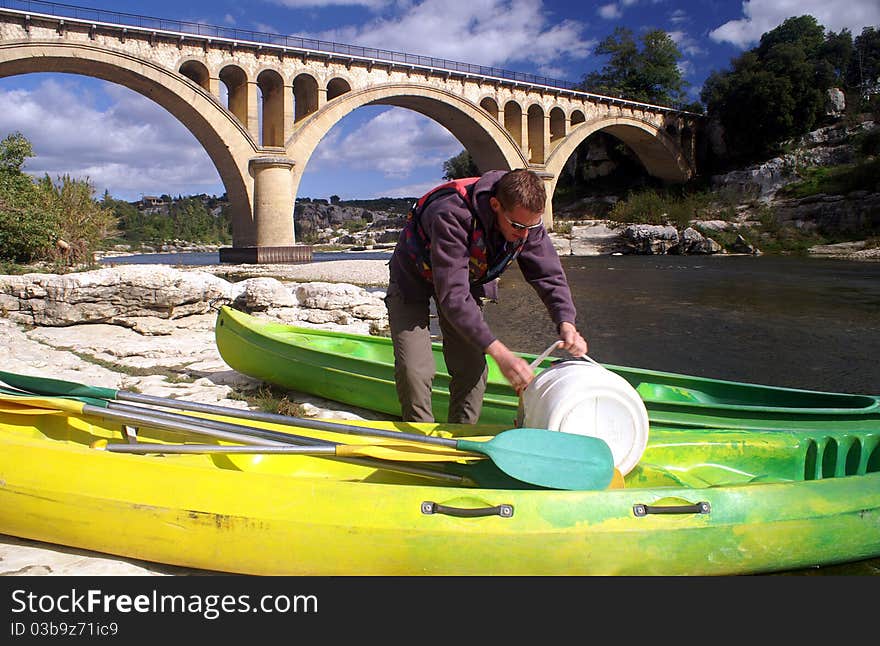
[[784, 321]]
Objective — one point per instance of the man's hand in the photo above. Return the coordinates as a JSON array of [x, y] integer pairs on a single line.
[[515, 369], [572, 341]]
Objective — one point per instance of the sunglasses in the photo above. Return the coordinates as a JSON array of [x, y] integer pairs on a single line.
[[522, 227]]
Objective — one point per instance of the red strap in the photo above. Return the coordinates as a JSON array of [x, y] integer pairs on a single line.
[[459, 185]]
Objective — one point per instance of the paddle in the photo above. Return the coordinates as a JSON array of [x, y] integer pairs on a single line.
[[538, 456], [225, 431], [436, 471]]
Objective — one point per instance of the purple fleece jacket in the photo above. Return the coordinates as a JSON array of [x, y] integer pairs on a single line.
[[447, 222]]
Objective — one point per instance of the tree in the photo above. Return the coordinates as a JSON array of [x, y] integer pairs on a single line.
[[27, 231], [837, 52], [14, 150], [462, 165], [649, 74], [863, 72], [776, 90]]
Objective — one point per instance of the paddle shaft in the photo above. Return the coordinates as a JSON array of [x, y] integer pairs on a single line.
[[538, 456], [318, 425], [142, 448], [189, 425]]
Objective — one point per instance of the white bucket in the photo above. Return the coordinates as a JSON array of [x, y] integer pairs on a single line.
[[585, 398]]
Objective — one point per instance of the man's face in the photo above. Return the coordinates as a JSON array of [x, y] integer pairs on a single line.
[[516, 223]]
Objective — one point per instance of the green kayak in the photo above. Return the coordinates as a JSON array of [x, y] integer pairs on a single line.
[[358, 370]]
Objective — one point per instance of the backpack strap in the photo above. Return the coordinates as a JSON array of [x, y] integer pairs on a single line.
[[464, 187]]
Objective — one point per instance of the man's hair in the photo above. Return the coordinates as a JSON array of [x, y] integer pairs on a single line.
[[521, 187]]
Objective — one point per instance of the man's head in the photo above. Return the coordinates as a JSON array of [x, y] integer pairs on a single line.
[[518, 203]]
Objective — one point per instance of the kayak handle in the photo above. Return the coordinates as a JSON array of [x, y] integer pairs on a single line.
[[640, 510], [505, 511]]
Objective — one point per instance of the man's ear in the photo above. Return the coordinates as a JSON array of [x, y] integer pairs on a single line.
[[495, 204]]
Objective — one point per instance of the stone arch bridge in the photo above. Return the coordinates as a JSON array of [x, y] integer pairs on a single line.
[[282, 97]]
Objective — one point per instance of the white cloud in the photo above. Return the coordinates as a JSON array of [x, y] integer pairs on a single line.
[[408, 190], [679, 16], [485, 32], [130, 148], [761, 16], [609, 11], [395, 142], [686, 44]]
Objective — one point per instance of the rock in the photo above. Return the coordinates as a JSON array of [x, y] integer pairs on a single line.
[[835, 102], [596, 238], [111, 295], [692, 241], [328, 296], [650, 238], [741, 245], [259, 294]]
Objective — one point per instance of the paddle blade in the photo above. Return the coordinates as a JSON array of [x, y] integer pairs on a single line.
[[40, 403], [46, 386], [549, 458]]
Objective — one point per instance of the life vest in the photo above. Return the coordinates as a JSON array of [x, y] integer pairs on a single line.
[[417, 245]]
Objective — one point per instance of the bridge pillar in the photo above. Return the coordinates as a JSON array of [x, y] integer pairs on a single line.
[[253, 110], [214, 86], [273, 216], [548, 201], [287, 109]]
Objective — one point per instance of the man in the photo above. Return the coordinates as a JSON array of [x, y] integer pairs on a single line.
[[457, 242]]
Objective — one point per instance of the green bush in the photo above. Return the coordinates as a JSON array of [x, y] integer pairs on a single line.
[[672, 207], [82, 223], [27, 229], [837, 180]]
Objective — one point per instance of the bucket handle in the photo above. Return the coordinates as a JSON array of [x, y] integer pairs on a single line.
[[553, 346]]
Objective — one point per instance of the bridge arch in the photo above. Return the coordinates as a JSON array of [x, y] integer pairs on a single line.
[[490, 145], [658, 152], [196, 71], [224, 138], [337, 86], [305, 96], [271, 85], [558, 128]]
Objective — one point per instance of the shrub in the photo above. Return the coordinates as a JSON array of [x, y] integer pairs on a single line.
[[82, 223]]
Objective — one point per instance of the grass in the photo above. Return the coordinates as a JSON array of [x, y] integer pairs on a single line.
[[836, 180], [271, 399], [173, 374], [676, 207]]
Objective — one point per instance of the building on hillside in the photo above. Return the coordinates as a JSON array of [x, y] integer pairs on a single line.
[[151, 204]]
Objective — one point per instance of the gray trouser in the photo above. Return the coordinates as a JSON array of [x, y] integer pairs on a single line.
[[414, 366]]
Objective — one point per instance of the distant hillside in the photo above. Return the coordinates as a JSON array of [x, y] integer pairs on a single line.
[[395, 205]]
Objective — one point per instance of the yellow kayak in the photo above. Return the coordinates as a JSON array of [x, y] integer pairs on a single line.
[[700, 502]]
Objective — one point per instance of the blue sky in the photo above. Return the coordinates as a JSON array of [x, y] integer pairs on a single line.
[[144, 150]]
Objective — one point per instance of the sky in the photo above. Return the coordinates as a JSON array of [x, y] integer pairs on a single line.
[[124, 143]]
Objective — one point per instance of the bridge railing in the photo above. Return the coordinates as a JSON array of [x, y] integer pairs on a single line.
[[59, 10]]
